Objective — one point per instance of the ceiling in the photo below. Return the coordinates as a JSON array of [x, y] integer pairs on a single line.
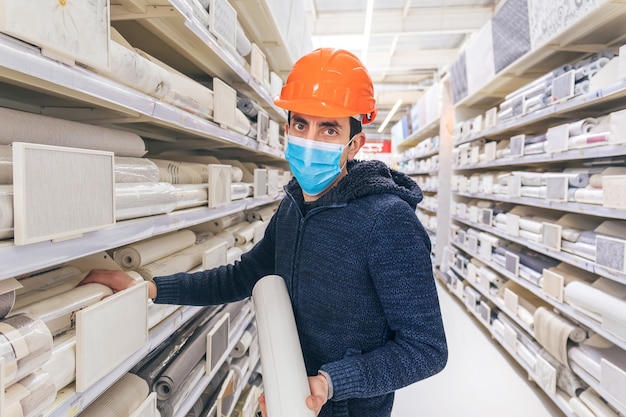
[[409, 44]]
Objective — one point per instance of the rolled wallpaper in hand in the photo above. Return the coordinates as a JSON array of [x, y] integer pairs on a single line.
[[58, 312], [124, 397], [553, 333], [30, 396], [18, 126], [285, 379], [25, 345], [149, 250]]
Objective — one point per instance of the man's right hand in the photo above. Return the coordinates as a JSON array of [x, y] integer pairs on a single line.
[[116, 280]]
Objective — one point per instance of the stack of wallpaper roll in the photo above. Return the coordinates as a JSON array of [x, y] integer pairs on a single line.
[[121, 400], [18, 126], [528, 302], [555, 333], [531, 263], [25, 346], [593, 192], [538, 94]]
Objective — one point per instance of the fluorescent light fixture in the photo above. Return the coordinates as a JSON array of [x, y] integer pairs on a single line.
[[368, 28], [393, 111]]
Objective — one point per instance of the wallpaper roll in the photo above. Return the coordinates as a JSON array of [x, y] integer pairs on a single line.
[[222, 223], [25, 345], [6, 165], [143, 199], [6, 211], [596, 179], [191, 195], [244, 46], [582, 126], [236, 174], [579, 408], [129, 68], [30, 396], [62, 364], [121, 400], [178, 172], [242, 345], [566, 380], [587, 196], [181, 261], [159, 312], [242, 124], [248, 107], [240, 190], [190, 354], [7, 301], [553, 333], [587, 140], [46, 285], [584, 250], [169, 407], [595, 404], [142, 253], [208, 395], [531, 224], [129, 169], [599, 305], [245, 234], [264, 213], [58, 312], [20, 126], [534, 192], [284, 375]]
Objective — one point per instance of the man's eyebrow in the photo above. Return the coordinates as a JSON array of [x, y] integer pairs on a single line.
[[298, 119], [334, 123]]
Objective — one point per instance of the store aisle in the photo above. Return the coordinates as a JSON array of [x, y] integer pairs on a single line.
[[479, 380]]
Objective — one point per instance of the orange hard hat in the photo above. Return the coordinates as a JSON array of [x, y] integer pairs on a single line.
[[329, 83]]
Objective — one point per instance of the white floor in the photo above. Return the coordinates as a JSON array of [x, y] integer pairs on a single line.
[[480, 380]]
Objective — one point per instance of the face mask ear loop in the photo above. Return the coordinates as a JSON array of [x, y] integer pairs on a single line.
[[348, 146]]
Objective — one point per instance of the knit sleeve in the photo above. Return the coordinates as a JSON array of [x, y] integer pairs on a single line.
[[400, 267], [224, 284]]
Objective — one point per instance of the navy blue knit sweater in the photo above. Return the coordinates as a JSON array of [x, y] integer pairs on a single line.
[[358, 270]]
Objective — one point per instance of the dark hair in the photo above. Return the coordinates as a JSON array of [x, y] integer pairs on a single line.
[[355, 126]]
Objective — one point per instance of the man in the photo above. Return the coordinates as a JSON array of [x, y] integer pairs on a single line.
[[354, 256]]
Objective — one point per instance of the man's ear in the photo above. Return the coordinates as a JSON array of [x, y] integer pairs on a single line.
[[357, 143], [286, 128]]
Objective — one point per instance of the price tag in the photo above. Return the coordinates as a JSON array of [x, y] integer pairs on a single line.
[[484, 250], [551, 236], [563, 86], [552, 284], [557, 138], [514, 186], [556, 188], [512, 224], [511, 301]]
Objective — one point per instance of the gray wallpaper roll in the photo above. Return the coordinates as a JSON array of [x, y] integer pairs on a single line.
[[18, 126], [25, 345], [169, 407], [210, 392], [7, 301], [30, 396], [511, 33], [190, 355]]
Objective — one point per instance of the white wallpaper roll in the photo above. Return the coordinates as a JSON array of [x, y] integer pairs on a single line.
[[245, 234], [143, 199], [593, 402], [182, 172], [30, 396], [20, 126], [159, 312], [582, 126], [579, 408], [599, 305], [284, 375], [222, 223], [129, 68], [48, 284], [262, 213], [129, 169], [121, 400], [553, 333], [242, 345], [25, 345], [191, 195], [240, 190], [62, 364], [6, 211], [57, 312], [236, 174], [149, 250], [6, 165]]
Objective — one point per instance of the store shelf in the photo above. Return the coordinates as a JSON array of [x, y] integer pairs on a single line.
[[170, 31], [593, 383], [46, 254], [556, 399], [72, 402], [574, 260], [563, 308], [594, 103], [549, 158], [599, 28], [422, 156], [431, 129], [588, 209]]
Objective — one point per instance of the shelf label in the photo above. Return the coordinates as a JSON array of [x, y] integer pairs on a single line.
[[514, 186], [551, 236], [556, 188], [563, 86], [613, 380], [614, 187], [472, 272], [473, 183], [511, 301], [473, 214], [474, 154], [510, 338], [545, 375], [617, 123], [484, 250], [472, 244], [484, 310], [611, 253], [516, 145], [511, 263], [557, 139]]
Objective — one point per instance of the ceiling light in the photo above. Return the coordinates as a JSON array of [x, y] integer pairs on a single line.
[[393, 111], [367, 29]]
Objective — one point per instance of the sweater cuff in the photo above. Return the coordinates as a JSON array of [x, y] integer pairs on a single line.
[[345, 383], [329, 382], [168, 289]]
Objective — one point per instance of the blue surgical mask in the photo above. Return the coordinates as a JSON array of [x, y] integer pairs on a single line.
[[314, 164]]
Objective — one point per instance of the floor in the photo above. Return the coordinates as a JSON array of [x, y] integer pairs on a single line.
[[480, 380]]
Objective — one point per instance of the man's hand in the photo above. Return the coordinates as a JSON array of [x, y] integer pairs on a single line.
[[319, 395], [116, 280]]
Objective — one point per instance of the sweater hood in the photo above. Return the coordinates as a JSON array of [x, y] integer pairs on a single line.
[[366, 178]]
